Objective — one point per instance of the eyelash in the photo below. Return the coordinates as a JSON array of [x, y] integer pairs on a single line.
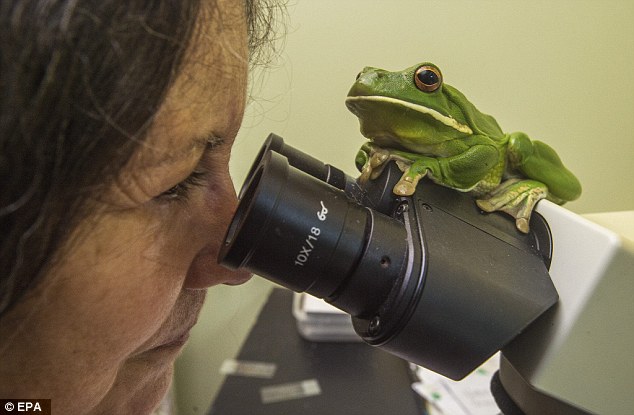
[[182, 190], [198, 178]]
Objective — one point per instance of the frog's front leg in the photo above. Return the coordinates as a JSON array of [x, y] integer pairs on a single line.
[[412, 173], [369, 160], [461, 172], [372, 159]]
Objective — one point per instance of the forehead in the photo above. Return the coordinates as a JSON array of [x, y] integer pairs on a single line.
[[207, 98]]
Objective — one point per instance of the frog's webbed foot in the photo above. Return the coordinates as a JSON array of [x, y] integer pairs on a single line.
[[516, 197]]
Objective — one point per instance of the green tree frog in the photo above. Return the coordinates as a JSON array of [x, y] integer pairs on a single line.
[[430, 129]]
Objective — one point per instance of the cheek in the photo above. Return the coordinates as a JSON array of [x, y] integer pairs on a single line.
[[106, 298], [131, 285]]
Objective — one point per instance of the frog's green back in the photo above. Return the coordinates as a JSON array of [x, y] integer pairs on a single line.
[[480, 123]]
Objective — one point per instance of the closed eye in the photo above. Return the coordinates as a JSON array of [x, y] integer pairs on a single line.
[[199, 177], [181, 191]]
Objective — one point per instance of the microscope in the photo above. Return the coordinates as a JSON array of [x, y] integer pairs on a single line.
[[434, 280]]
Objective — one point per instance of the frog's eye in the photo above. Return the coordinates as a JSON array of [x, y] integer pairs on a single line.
[[428, 78]]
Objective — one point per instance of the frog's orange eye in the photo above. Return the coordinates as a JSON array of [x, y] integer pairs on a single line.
[[428, 78]]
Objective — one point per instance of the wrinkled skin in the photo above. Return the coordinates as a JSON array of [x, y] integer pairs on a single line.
[[101, 332]]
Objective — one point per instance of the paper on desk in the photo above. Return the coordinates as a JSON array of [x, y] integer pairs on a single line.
[[248, 368], [470, 396], [289, 391], [315, 305]]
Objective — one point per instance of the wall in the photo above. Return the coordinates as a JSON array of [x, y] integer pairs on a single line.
[[559, 71]]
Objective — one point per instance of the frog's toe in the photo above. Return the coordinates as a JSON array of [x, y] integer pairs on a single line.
[[406, 186], [366, 172], [373, 165], [517, 199], [377, 171], [522, 214], [486, 205], [522, 225], [379, 157], [377, 162]]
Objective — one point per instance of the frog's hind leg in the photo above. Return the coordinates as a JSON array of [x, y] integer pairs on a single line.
[[518, 198]]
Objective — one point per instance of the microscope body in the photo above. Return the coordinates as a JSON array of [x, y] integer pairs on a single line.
[[434, 280], [471, 282]]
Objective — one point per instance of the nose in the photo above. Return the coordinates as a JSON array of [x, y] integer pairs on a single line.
[[204, 270]]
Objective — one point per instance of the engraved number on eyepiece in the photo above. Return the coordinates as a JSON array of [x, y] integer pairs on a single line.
[[311, 239]]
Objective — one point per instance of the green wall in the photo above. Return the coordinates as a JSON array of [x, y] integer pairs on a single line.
[[561, 71]]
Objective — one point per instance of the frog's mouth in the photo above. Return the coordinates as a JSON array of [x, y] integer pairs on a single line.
[[446, 120]]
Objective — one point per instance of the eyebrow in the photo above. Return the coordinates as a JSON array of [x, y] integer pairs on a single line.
[[206, 142]]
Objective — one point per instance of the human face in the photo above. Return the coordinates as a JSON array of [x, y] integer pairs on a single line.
[[100, 333]]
